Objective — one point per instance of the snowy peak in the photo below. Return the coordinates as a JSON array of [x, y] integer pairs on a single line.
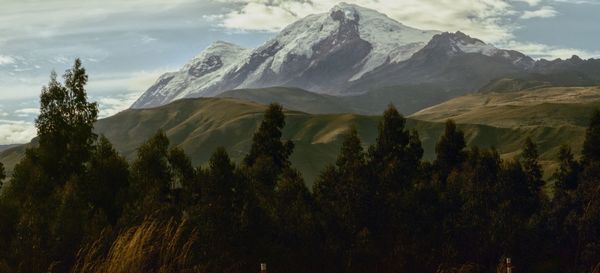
[[348, 49], [345, 12], [213, 58], [202, 71], [449, 45]]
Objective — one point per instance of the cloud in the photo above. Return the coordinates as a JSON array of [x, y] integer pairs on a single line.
[[579, 2], [4, 60], [532, 3], [543, 51], [16, 132], [543, 12], [257, 16], [486, 19], [27, 112], [111, 105]]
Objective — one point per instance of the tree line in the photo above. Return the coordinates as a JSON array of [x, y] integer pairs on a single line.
[[74, 204]]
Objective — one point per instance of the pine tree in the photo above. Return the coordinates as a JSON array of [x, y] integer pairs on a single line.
[[107, 180], [346, 196], [2, 174], [267, 140], [151, 178], [269, 155], [591, 145], [567, 174], [295, 221], [183, 175], [396, 154], [531, 166], [449, 150]]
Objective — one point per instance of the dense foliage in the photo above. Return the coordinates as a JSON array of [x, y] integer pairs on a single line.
[[73, 204]]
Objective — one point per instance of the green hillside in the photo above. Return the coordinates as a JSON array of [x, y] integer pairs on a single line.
[[199, 126], [550, 107], [407, 99]]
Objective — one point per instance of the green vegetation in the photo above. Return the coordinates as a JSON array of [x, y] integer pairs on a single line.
[[78, 206], [407, 98], [199, 126]]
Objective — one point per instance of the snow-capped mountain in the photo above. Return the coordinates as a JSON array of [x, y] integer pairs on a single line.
[[320, 53], [205, 69], [348, 50], [454, 61]]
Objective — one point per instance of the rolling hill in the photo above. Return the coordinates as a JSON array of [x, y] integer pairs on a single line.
[[407, 99], [547, 106], [201, 125]]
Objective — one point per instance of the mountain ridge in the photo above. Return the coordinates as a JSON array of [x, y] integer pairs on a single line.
[[329, 53]]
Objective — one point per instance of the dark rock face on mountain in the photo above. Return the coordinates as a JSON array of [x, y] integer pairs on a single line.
[[353, 50], [321, 53], [585, 68], [453, 61]]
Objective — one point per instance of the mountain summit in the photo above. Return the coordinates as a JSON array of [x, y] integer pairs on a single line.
[[348, 50], [320, 53]]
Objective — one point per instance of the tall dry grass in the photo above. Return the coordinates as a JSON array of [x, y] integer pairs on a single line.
[[152, 247]]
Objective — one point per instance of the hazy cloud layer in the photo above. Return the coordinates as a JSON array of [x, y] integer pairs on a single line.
[[493, 21], [543, 12]]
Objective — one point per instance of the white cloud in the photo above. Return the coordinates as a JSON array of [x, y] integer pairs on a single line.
[[485, 19], [579, 2], [4, 60], [112, 105], [257, 16], [16, 132], [543, 51], [532, 2], [543, 12], [28, 111]]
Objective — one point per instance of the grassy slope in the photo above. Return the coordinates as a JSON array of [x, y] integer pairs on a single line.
[[408, 99], [199, 126], [552, 107]]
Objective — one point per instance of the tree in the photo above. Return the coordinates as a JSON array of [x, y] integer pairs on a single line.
[[449, 150], [295, 221], [2, 174], [107, 180], [269, 155], [396, 154], [531, 166], [591, 145], [151, 177], [346, 196], [47, 182], [183, 176], [236, 230], [65, 124], [567, 174]]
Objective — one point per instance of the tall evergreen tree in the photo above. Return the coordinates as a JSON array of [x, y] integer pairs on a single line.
[[565, 178], [107, 180], [396, 154], [267, 142], [2, 174], [346, 196], [450, 150], [532, 167], [269, 154], [591, 145], [151, 178]]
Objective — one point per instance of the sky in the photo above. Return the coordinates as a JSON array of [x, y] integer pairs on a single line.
[[126, 45]]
